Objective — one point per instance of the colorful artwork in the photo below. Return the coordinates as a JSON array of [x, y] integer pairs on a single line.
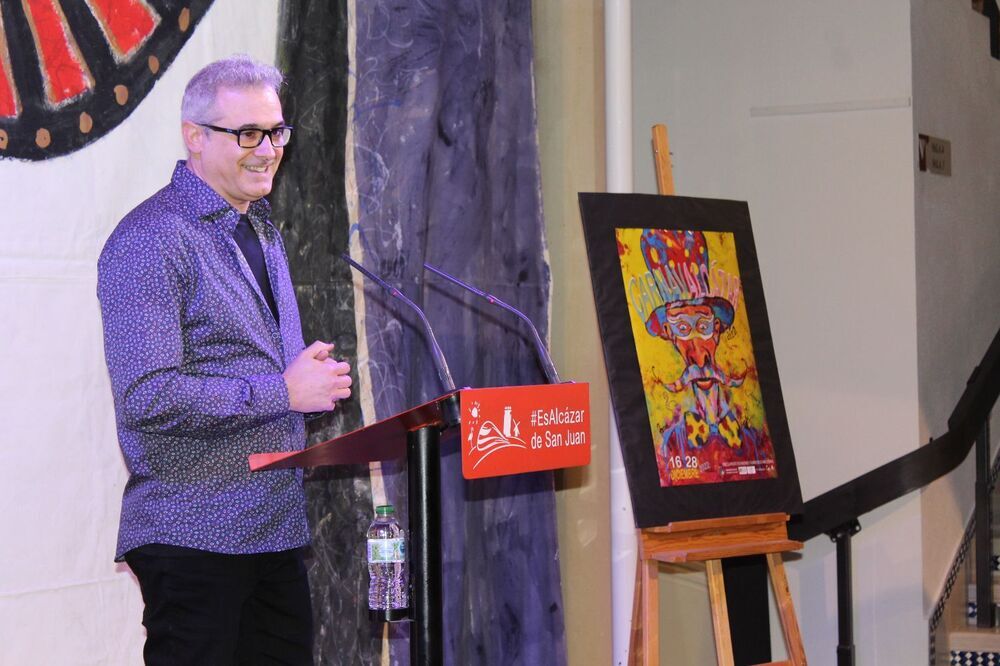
[[706, 415], [691, 367], [71, 71]]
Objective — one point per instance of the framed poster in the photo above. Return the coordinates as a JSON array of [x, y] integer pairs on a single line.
[[689, 357]]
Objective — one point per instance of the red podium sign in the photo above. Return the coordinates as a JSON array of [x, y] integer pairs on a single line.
[[516, 429], [505, 430]]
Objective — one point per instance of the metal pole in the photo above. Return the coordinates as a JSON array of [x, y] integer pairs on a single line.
[[985, 615], [845, 596], [618, 149], [424, 476]]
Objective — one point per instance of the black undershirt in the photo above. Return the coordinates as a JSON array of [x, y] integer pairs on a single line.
[[249, 244]]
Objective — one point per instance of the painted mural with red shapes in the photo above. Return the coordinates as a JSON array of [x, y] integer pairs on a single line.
[[72, 70]]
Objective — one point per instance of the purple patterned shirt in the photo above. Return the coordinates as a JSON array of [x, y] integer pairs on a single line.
[[195, 358]]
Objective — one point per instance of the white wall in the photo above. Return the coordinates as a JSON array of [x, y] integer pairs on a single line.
[[802, 108], [955, 86], [62, 598]]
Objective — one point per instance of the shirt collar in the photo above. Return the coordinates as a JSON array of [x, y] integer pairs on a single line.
[[207, 204]]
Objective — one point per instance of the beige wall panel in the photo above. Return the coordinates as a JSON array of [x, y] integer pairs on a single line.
[[569, 84]]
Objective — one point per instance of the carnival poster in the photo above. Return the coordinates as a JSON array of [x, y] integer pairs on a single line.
[[706, 417]]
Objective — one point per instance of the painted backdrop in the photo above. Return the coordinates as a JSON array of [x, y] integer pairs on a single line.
[[70, 72], [434, 102], [60, 466], [441, 165]]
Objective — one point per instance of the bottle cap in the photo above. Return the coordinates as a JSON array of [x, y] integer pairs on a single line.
[[384, 510]]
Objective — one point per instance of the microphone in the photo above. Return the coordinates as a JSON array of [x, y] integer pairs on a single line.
[[439, 361], [547, 366]]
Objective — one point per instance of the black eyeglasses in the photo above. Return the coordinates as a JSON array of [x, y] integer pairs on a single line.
[[252, 137]]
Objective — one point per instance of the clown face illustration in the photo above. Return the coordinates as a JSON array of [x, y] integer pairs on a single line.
[[695, 330], [692, 318]]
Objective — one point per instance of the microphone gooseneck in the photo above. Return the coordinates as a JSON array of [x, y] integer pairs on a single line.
[[439, 360], [548, 367]]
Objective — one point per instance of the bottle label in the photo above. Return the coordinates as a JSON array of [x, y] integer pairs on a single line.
[[386, 550]]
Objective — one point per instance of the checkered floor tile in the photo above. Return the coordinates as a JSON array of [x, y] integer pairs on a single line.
[[959, 658]]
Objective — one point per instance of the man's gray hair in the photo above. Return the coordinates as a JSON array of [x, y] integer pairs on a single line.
[[238, 71]]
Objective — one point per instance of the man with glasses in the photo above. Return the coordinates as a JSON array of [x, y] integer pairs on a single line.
[[207, 363]]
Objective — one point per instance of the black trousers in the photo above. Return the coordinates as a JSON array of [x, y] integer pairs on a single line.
[[217, 610]]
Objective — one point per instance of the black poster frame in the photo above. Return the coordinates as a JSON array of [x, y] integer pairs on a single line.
[[653, 504]]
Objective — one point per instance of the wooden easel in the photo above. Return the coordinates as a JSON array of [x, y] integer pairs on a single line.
[[709, 541]]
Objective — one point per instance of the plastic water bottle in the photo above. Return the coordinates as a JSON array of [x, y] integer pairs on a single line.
[[387, 589]]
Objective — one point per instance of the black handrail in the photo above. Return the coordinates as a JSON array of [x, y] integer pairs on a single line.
[[991, 12], [825, 513], [837, 511]]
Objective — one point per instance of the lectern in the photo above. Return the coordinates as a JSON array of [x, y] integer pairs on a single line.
[[504, 430]]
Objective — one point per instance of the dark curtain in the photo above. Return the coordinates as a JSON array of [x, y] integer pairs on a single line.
[[445, 160]]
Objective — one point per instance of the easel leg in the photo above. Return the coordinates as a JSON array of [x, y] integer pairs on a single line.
[[650, 612], [635, 635], [783, 598], [720, 612], [661, 160], [644, 641]]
